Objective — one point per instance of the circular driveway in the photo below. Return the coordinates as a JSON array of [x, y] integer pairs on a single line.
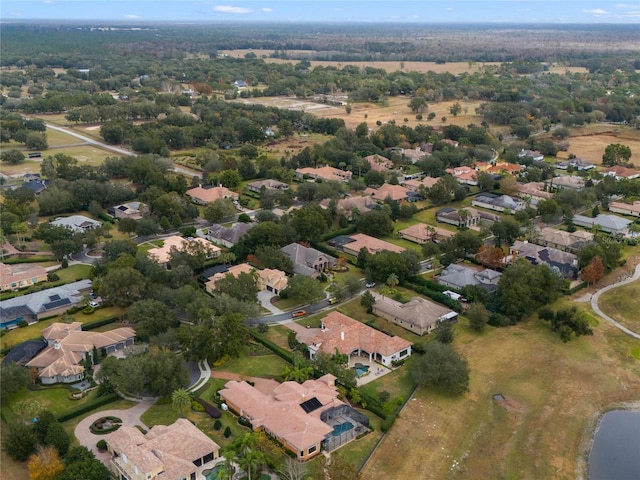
[[129, 417]]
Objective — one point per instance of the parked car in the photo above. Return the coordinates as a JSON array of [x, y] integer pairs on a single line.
[[370, 284], [333, 301], [93, 304], [299, 313]]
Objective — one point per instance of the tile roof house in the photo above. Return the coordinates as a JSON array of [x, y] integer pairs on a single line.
[[607, 223], [632, 209], [575, 163], [46, 303], [205, 196], [474, 217], [325, 173], [458, 276], [234, 270], [568, 181], [565, 262], [562, 240], [68, 346], [379, 163], [422, 233], [268, 184], [342, 334], [498, 203], [162, 254], [414, 185], [532, 154], [500, 168], [535, 191], [308, 261], [393, 192], [413, 154], [272, 280], [77, 223], [620, 172], [227, 236], [418, 315], [166, 452], [372, 244], [465, 175], [351, 206], [21, 275], [294, 414], [133, 210]]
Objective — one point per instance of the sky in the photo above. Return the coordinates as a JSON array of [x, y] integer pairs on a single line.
[[301, 11]]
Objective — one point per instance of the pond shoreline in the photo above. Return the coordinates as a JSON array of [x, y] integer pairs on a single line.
[[588, 435]]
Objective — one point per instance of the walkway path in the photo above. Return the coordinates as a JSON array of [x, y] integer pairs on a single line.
[[130, 418], [205, 375], [596, 308]]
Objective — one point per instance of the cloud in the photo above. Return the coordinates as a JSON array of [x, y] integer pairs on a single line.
[[596, 11], [132, 16], [267, 9], [231, 9]]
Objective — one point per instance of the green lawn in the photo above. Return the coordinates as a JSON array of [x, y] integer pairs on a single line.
[[623, 304], [398, 383], [278, 335], [55, 399], [74, 273], [266, 366]]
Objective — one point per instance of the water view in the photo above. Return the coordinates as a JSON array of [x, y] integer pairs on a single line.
[[615, 453]]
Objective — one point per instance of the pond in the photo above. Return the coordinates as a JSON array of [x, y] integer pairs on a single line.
[[615, 452]]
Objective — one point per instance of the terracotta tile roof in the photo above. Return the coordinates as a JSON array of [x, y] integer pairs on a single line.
[[414, 185], [280, 413], [394, 192], [424, 233], [372, 244], [210, 195], [21, 275], [162, 254], [379, 163], [234, 270], [272, 277], [346, 335], [619, 171], [326, 173]]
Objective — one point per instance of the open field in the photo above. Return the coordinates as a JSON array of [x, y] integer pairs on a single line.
[[623, 305], [591, 146], [553, 392]]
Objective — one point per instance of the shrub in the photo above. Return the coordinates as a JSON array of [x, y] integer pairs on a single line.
[[88, 310], [244, 422], [22, 323], [196, 407], [210, 409], [217, 425], [102, 445], [387, 423], [263, 328], [227, 432], [87, 407], [221, 361]]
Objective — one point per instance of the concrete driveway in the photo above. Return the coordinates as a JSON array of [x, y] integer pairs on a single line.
[[264, 297], [130, 418]]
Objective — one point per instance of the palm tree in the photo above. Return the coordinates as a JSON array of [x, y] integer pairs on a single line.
[[249, 457], [392, 280], [181, 400]]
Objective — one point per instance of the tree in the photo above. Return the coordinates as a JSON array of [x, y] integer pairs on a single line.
[[305, 290], [45, 464], [221, 208], [14, 157], [418, 104], [477, 316], [392, 280], [36, 141], [243, 287], [444, 331], [181, 401], [81, 464], [367, 300], [122, 286], [442, 368], [509, 185], [337, 468], [455, 109], [268, 256], [58, 438], [506, 230], [309, 222], [485, 180], [352, 286], [593, 271], [291, 469], [616, 154], [18, 440], [490, 256], [374, 178], [376, 223], [13, 377], [151, 317]]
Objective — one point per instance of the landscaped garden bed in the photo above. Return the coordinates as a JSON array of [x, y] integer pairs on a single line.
[[105, 425]]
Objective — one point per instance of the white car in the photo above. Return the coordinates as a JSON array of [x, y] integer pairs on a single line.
[[370, 284], [93, 304]]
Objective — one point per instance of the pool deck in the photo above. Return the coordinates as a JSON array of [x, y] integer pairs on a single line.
[[375, 369]]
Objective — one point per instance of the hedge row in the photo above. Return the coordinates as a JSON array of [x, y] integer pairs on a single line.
[[373, 404], [29, 259], [87, 407], [425, 282], [210, 409], [281, 352], [343, 231], [99, 323]]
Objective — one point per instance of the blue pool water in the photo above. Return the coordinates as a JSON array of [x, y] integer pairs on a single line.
[[212, 474], [360, 369], [341, 428]]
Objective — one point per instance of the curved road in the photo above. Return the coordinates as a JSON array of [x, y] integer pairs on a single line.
[[596, 308]]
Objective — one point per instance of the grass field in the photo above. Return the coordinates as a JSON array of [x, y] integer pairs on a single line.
[[553, 392], [591, 146], [623, 305], [266, 366]]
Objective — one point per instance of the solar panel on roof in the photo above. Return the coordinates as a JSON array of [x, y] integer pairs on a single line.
[[56, 304], [311, 405], [53, 298]]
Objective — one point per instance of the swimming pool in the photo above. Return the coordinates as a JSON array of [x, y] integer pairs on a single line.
[[360, 369], [340, 428]]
